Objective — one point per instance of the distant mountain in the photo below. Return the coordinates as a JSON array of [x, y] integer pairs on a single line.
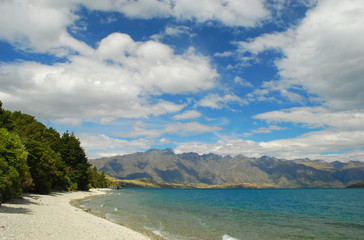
[[357, 185], [164, 166]]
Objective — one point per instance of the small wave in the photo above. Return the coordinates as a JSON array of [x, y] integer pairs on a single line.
[[155, 231], [227, 237], [109, 217]]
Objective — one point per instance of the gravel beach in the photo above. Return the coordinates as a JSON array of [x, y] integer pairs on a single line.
[[52, 217]]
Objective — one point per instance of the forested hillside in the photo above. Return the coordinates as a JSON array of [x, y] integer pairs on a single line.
[[38, 159]]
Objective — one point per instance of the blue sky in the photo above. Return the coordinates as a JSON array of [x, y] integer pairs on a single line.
[[277, 77]]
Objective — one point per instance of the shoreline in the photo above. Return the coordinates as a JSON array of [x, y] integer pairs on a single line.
[[52, 216]]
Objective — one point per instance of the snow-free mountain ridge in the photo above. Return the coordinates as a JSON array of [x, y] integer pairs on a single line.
[[212, 169]]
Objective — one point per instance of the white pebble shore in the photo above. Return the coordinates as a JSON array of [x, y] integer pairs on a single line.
[[53, 217]]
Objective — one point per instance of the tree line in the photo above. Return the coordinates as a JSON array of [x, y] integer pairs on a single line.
[[35, 158]]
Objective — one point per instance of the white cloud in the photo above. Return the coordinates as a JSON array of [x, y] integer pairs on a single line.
[[84, 88], [278, 91], [144, 9], [268, 41], [242, 82], [323, 54], [187, 115], [215, 101], [343, 130], [229, 12], [223, 54], [184, 129], [100, 145], [267, 129], [68, 121], [310, 145], [329, 43], [176, 30], [173, 31], [156, 66], [92, 87], [317, 117], [191, 128], [39, 26]]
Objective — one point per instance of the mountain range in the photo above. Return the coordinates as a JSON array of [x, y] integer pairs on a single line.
[[164, 166]]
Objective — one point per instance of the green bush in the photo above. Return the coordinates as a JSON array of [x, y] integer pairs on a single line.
[[14, 171]]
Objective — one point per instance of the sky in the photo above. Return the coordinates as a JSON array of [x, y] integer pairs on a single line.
[[281, 78]]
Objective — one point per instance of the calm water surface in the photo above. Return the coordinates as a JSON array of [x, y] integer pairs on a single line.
[[237, 214]]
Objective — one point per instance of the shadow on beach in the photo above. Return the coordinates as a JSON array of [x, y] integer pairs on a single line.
[[25, 199], [18, 205], [14, 210]]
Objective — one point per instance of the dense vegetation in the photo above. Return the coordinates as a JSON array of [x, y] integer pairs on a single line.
[[38, 159]]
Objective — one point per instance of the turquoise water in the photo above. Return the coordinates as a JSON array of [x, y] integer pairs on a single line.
[[237, 214]]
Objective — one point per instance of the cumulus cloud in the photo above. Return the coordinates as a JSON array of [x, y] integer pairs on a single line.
[[160, 70], [228, 12], [116, 81], [144, 9], [323, 54], [322, 58], [40, 26]]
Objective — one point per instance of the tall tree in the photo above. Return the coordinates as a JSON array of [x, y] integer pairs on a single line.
[[44, 160], [5, 121], [46, 167], [75, 158]]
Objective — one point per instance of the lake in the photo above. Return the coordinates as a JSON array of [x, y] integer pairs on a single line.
[[236, 214]]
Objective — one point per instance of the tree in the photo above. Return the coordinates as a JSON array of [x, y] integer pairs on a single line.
[[5, 121], [36, 158], [76, 161], [44, 160], [46, 167], [98, 180], [14, 171]]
